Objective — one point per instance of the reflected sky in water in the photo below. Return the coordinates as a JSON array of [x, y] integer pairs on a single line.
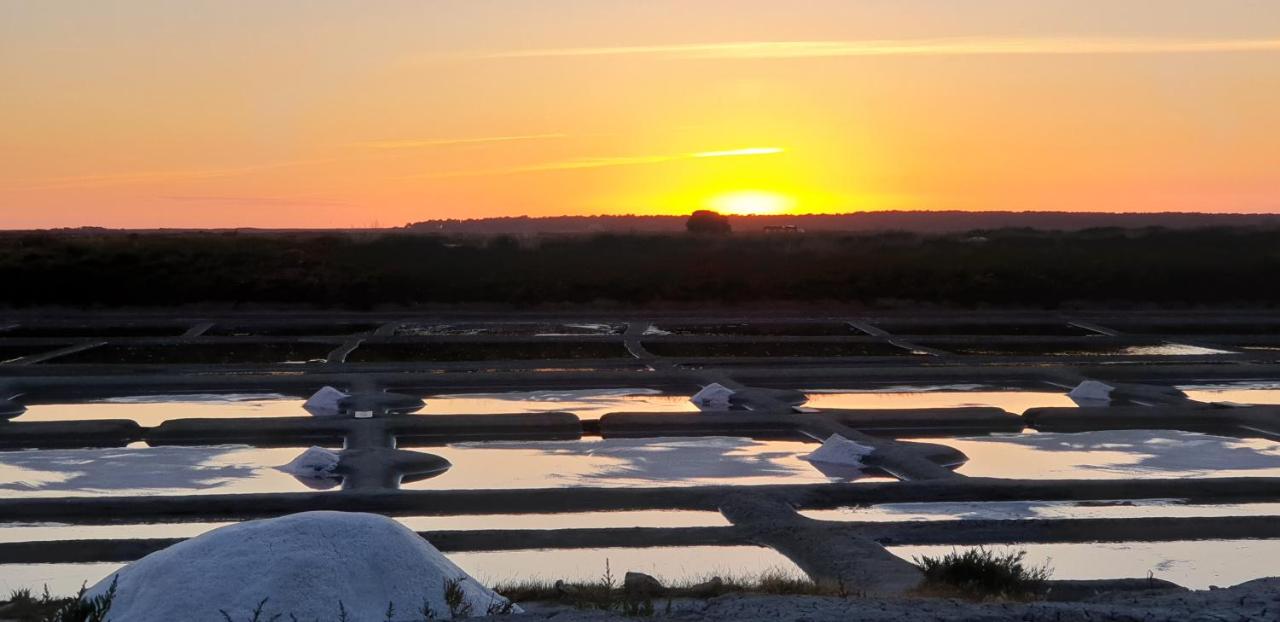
[[153, 410], [145, 471], [625, 462], [1196, 565], [1115, 454], [587, 404], [1266, 393], [947, 396], [32, 532], [667, 564], [1023, 510]]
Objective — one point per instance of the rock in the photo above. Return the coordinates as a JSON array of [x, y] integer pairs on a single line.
[[304, 565], [10, 409], [641, 585], [707, 589]]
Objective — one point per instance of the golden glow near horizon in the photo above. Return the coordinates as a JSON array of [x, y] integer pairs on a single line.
[[289, 114], [752, 203]]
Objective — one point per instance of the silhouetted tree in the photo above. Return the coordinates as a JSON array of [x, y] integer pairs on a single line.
[[707, 222]]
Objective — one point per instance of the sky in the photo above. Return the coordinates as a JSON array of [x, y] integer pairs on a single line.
[[239, 113]]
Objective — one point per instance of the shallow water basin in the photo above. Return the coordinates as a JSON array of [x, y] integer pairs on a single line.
[[1115, 454], [137, 471], [624, 462]]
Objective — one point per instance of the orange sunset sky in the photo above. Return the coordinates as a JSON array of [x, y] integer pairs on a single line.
[[339, 114]]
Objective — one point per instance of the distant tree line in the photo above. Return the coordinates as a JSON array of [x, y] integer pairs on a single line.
[[1007, 268]]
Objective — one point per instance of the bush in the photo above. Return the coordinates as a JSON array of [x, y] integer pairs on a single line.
[[980, 573]]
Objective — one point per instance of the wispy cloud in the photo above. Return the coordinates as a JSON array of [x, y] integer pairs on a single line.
[[911, 47], [601, 162], [445, 142]]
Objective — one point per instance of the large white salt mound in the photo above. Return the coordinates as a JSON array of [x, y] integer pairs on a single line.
[[305, 564]]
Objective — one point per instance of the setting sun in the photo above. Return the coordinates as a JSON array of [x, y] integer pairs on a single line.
[[752, 203]]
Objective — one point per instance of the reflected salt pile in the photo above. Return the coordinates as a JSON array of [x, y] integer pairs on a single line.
[[935, 396], [1261, 393], [587, 404], [145, 471], [1172, 349], [625, 462], [1196, 565], [152, 410], [1115, 454], [1025, 510], [667, 564]]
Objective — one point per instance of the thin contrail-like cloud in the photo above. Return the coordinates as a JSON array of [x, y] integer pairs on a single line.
[[910, 47], [601, 162]]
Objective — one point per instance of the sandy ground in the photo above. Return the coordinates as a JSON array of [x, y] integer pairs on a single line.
[[1255, 600]]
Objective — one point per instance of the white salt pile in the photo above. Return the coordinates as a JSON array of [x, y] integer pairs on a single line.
[[713, 397], [304, 565], [324, 403]]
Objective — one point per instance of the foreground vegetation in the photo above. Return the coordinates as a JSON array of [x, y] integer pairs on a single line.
[[999, 268], [982, 574]]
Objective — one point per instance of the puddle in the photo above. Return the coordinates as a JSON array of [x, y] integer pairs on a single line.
[[384, 352], [1047, 329], [1023, 510], [1264, 393], [667, 564], [152, 410], [1073, 349], [945, 396], [121, 330], [625, 463], [293, 329], [1115, 454], [198, 354], [773, 348], [586, 404], [529, 329], [136, 471], [762, 329], [1196, 565]]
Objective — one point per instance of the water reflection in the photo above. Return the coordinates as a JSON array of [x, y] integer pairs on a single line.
[[1116, 454], [149, 471], [1265, 393], [39, 532], [1023, 510], [667, 564], [625, 462], [587, 404], [947, 396], [152, 410]]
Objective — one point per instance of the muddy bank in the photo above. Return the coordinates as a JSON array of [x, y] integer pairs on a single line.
[[1255, 600]]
